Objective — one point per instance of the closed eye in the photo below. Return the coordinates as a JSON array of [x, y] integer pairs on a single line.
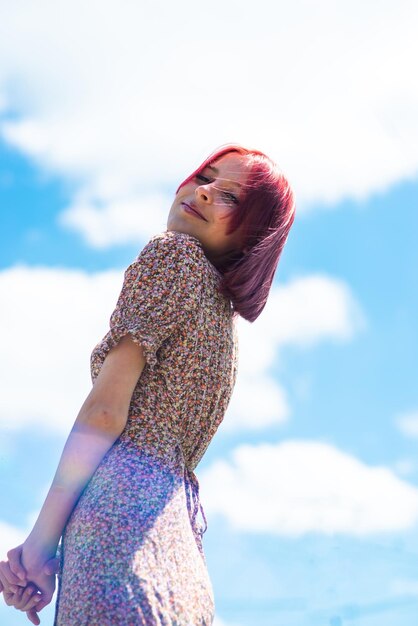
[[231, 196], [203, 179]]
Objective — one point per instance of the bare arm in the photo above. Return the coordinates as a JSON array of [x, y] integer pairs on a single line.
[[99, 423]]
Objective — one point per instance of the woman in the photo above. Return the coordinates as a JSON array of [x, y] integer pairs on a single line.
[[125, 498]]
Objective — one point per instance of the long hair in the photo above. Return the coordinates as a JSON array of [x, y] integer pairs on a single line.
[[265, 215]]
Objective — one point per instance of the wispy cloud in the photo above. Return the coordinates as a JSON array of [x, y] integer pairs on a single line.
[[405, 466], [407, 423], [405, 587], [120, 102], [10, 537], [220, 622], [298, 487]]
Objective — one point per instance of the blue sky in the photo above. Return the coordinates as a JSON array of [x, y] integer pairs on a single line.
[[310, 485]]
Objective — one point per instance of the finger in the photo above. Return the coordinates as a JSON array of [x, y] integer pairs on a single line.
[[14, 591], [34, 603], [33, 617], [29, 599], [52, 566], [16, 598], [7, 595], [45, 600], [7, 577], [16, 566], [31, 603], [9, 598]]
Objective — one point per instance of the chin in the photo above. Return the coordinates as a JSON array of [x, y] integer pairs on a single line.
[[185, 230], [181, 226]]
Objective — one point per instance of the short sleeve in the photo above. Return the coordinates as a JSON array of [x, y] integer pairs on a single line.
[[161, 291]]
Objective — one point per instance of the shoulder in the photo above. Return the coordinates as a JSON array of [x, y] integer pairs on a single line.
[[171, 240], [172, 250]]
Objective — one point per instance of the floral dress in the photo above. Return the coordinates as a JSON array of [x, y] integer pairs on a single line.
[[132, 551]]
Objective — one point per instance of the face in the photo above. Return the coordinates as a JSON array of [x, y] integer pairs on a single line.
[[203, 207]]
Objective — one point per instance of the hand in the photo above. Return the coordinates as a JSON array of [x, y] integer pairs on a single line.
[[24, 594], [16, 594], [38, 567], [24, 599]]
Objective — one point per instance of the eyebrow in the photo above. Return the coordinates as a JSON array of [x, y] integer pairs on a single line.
[[216, 171]]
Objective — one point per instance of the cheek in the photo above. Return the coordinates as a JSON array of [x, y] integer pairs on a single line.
[[187, 189], [225, 214], [222, 222], [178, 198]]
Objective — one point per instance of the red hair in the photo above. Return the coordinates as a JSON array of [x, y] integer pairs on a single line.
[[265, 215]]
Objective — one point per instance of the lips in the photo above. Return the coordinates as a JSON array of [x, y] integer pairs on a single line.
[[192, 209]]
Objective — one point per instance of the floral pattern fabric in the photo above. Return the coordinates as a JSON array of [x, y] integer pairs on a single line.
[[132, 551]]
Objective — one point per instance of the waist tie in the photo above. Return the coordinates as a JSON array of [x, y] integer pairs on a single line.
[[193, 503]]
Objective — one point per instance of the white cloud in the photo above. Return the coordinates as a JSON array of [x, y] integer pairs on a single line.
[[408, 424], [302, 313], [311, 308], [124, 220], [131, 97], [53, 318], [257, 402], [298, 487]]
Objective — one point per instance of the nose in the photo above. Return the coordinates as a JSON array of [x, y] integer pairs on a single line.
[[204, 193]]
